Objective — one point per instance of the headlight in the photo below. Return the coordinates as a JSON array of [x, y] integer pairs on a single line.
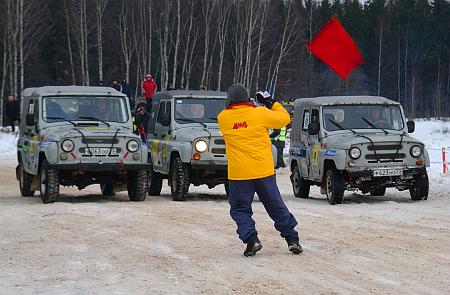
[[415, 151], [354, 153], [133, 146], [201, 146], [67, 145]]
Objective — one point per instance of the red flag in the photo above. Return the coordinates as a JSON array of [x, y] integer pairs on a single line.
[[334, 46]]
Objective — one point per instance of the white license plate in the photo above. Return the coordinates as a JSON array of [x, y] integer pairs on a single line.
[[388, 172], [99, 152]]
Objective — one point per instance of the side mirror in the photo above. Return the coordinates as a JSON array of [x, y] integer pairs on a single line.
[[30, 120], [411, 126], [165, 119], [313, 128]]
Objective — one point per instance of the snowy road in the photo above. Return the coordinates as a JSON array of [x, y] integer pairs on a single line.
[[87, 244]]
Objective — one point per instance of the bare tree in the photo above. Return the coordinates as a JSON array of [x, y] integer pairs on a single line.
[[288, 40], [99, 13], [177, 44], [69, 42], [208, 7], [223, 21], [380, 43], [187, 47], [126, 42]]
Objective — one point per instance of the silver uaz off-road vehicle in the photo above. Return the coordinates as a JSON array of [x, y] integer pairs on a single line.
[[355, 143], [184, 141], [72, 135]]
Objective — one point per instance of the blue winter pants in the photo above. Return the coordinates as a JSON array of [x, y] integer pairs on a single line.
[[241, 198]]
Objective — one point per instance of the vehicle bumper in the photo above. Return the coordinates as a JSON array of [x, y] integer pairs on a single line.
[[209, 165], [369, 172], [100, 167]]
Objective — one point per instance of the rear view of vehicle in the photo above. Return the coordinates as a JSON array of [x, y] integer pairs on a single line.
[[78, 136]]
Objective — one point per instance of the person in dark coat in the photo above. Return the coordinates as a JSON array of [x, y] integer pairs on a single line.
[[141, 118], [11, 111], [116, 85], [125, 87]]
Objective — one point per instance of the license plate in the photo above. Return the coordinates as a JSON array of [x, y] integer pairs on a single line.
[[100, 152], [388, 172]]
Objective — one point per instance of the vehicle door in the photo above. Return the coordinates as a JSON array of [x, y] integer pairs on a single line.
[[30, 142], [304, 140], [161, 136], [314, 147]]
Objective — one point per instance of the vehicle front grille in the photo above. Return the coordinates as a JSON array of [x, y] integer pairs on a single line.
[[219, 141], [390, 157], [97, 140], [385, 147], [220, 151]]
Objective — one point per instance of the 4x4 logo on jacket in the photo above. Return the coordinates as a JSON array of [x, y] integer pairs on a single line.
[[240, 125]]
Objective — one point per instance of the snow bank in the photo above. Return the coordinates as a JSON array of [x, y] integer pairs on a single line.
[[8, 146]]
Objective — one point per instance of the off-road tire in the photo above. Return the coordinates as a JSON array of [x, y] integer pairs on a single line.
[[299, 185], [378, 192], [227, 187], [25, 180], [137, 185], [335, 186], [49, 183], [107, 187], [420, 190], [155, 180], [179, 180]]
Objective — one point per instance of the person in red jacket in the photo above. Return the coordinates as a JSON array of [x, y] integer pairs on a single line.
[[148, 90]]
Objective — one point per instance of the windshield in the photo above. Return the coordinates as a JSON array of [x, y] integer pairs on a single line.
[[84, 108], [351, 116], [203, 110]]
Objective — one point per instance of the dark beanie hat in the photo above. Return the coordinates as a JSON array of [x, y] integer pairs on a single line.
[[237, 93]]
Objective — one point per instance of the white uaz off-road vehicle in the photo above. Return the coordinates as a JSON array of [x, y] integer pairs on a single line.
[[355, 143], [184, 141], [73, 135]]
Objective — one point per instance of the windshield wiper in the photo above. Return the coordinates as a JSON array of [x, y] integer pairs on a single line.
[[193, 121], [61, 118], [342, 127], [95, 119], [212, 118], [357, 134], [373, 125]]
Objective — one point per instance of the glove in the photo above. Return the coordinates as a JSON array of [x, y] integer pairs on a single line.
[[265, 98]]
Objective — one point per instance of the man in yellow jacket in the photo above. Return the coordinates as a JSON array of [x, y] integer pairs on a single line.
[[250, 165]]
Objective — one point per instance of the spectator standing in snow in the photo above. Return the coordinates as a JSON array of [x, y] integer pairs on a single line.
[[116, 85], [141, 118], [11, 111], [125, 87], [148, 90], [170, 87], [250, 166]]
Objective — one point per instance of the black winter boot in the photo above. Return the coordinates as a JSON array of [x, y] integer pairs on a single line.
[[253, 246], [294, 245]]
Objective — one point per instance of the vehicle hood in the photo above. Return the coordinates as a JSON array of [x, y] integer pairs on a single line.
[[54, 134], [345, 140], [191, 133]]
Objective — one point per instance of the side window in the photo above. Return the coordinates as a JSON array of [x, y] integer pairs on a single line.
[[31, 107], [315, 116], [36, 111], [305, 120], [162, 107]]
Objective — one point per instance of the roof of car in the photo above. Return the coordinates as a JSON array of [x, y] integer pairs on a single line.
[[332, 100], [71, 90], [191, 93]]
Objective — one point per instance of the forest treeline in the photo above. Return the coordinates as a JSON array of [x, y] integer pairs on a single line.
[[259, 43]]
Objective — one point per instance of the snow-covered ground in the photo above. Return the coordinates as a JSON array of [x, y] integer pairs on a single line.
[[89, 244]]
